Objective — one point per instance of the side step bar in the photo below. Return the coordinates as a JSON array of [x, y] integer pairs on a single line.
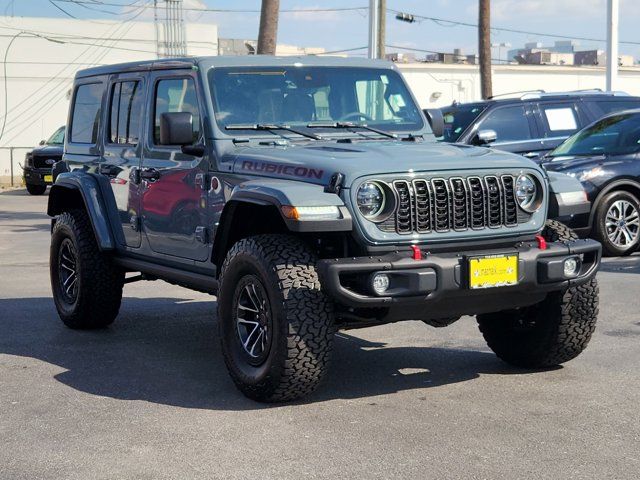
[[176, 276]]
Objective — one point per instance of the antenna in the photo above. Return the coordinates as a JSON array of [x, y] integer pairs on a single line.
[[168, 18]]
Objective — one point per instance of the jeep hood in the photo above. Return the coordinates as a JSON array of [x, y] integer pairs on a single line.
[[316, 162]]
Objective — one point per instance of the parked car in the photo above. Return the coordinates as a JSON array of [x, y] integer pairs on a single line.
[[38, 163], [309, 195], [605, 157], [530, 123]]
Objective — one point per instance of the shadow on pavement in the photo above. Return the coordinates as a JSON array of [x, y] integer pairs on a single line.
[[629, 264], [22, 192], [166, 351]]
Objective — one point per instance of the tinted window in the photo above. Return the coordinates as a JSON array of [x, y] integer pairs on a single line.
[[612, 106], [57, 138], [125, 113], [559, 119], [86, 113], [301, 95], [176, 95], [509, 123], [458, 118], [615, 135]]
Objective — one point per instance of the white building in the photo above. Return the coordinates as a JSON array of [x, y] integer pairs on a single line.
[[41, 63]]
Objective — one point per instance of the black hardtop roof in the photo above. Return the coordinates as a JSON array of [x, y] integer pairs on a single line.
[[548, 97], [233, 61]]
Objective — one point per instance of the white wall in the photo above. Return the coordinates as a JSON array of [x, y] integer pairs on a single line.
[[462, 82], [39, 72]]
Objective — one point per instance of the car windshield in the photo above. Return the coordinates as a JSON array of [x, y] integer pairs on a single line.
[[57, 138], [614, 135], [457, 119], [298, 96]]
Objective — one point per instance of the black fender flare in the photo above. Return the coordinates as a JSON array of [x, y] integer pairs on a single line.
[[608, 188], [65, 194]]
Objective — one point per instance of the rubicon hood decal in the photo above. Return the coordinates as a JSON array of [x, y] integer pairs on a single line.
[[256, 166]]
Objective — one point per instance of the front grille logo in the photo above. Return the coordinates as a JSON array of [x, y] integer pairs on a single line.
[[49, 161]]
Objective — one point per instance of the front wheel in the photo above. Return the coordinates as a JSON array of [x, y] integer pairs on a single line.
[[617, 224], [548, 333], [276, 325], [36, 189]]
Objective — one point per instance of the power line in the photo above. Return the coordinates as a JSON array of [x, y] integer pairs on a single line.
[[440, 21], [227, 10]]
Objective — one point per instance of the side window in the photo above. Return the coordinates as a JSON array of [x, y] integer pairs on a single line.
[[509, 123], [559, 119], [125, 113], [611, 106], [85, 119], [176, 95]]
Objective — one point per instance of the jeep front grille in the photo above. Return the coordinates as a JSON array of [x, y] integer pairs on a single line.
[[456, 203]]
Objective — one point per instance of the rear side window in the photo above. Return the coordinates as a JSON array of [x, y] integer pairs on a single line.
[[612, 106], [559, 119], [125, 113], [509, 123], [176, 95], [86, 114]]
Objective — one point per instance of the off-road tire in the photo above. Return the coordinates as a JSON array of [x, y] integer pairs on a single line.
[[99, 281], [34, 189], [551, 332], [609, 248], [302, 318]]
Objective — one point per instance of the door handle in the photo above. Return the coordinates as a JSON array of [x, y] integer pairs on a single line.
[[150, 174]]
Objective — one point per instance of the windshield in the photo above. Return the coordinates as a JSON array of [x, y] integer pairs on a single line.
[[57, 138], [615, 135], [457, 118], [297, 96]]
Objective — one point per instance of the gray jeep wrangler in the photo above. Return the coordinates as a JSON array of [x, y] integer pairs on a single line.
[[309, 195]]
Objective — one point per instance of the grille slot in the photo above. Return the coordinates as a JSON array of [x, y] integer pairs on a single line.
[[456, 203]]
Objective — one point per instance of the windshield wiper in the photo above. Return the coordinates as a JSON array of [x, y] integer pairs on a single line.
[[350, 125], [270, 127]]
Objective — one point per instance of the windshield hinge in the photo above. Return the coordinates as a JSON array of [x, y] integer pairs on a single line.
[[335, 183]]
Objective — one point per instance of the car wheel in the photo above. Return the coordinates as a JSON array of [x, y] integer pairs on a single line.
[[617, 223], [276, 325], [86, 285], [36, 189], [550, 332]]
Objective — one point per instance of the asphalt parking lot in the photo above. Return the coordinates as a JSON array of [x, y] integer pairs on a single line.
[[150, 396]]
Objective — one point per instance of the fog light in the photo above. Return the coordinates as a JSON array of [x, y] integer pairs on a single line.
[[380, 283], [571, 266]]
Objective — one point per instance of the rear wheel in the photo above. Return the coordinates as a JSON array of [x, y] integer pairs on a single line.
[[617, 223], [36, 189], [87, 287], [551, 332], [276, 325]]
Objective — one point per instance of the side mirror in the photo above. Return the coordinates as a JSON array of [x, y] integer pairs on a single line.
[[176, 128], [42, 142], [436, 120], [485, 137]]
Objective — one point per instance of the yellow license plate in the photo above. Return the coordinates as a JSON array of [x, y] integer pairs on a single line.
[[48, 178], [493, 271]]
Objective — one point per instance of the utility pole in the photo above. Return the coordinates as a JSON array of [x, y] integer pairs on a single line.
[[484, 48], [268, 27], [612, 44], [382, 27], [374, 10]]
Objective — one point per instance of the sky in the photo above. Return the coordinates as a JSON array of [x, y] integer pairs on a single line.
[[338, 30]]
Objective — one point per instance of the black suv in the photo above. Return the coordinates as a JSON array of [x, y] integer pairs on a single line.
[[529, 123], [39, 162]]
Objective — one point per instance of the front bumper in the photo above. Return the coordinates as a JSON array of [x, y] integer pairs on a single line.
[[438, 285], [38, 176]]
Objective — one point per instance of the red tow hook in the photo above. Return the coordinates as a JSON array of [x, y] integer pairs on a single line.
[[417, 254], [542, 243]]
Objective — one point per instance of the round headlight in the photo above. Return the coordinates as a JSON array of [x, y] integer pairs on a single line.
[[370, 199], [527, 193]]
